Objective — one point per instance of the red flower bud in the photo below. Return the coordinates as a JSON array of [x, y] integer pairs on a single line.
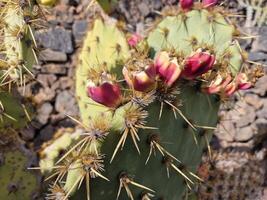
[[142, 81], [186, 4], [134, 39], [198, 64], [230, 89], [167, 69], [107, 94], [243, 82], [209, 3]]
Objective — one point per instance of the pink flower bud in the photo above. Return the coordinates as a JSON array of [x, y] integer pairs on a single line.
[[243, 82], [134, 39], [142, 81], [209, 3], [230, 89], [215, 85], [107, 94], [198, 64], [167, 69], [162, 61], [186, 4]]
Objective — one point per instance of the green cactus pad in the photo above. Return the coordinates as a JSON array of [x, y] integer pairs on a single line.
[[17, 182], [15, 113], [18, 41], [188, 31], [104, 45], [50, 152], [107, 5]]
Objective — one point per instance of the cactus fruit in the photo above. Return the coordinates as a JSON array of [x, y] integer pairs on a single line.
[[231, 175], [16, 181], [17, 20], [13, 111], [144, 137]]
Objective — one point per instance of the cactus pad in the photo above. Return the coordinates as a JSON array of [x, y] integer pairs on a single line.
[[15, 179]]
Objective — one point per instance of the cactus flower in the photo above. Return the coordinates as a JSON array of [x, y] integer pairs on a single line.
[[142, 81], [209, 3], [107, 94], [198, 64], [134, 39], [243, 82], [168, 69], [186, 4]]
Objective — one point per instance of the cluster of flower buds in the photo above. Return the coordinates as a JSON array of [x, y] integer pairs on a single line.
[[228, 86], [188, 4]]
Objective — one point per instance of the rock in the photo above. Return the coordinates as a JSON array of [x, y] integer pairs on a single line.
[[46, 133], [56, 38], [54, 69], [79, 29], [65, 83], [44, 112], [260, 44], [49, 55], [44, 94], [46, 80], [244, 134], [226, 131], [66, 104], [27, 133], [261, 86], [246, 119], [143, 7], [262, 113], [254, 101], [257, 56], [261, 125]]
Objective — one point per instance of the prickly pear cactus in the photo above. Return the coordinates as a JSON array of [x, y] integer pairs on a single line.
[[13, 111], [17, 182], [148, 110], [17, 21]]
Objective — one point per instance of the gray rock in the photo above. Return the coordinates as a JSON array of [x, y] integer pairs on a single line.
[[49, 55], [261, 86], [44, 112], [46, 79], [65, 82], [66, 104], [261, 125], [246, 119], [56, 38], [79, 29], [46, 133], [257, 56], [225, 131], [54, 69], [143, 7], [244, 134], [254, 101], [44, 94], [27, 133], [260, 44]]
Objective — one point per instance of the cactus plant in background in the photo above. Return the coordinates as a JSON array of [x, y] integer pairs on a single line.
[[148, 108], [18, 19]]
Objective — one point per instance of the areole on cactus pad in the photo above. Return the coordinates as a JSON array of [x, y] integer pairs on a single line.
[[144, 136]]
